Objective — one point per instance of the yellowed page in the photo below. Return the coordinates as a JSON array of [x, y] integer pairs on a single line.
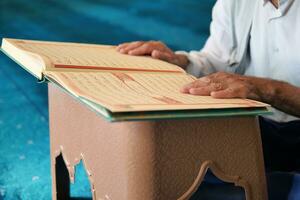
[[126, 92], [63, 56], [32, 62]]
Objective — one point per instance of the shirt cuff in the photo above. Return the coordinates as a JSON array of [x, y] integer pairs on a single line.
[[193, 68]]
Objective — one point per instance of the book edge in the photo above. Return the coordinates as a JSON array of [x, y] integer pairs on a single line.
[[22, 58]]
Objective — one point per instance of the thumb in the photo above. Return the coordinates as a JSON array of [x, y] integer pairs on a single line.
[[165, 56], [223, 94]]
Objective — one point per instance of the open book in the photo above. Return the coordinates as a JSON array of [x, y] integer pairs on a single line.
[[117, 85]]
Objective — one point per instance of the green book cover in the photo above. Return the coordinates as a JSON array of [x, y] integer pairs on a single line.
[[178, 114]]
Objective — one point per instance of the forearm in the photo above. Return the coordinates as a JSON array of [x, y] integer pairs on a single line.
[[280, 95]]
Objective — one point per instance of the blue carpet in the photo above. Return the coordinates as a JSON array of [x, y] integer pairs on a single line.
[[24, 137]]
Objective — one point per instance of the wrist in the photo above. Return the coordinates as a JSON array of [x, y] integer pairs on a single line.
[[183, 61], [269, 90]]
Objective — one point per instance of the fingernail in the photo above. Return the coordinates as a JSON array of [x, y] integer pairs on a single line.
[[191, 90], [154, 54], [214, 95], [183, 90]]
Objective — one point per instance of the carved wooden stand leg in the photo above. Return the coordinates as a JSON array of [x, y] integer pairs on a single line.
[[157, 160], [234, 156]]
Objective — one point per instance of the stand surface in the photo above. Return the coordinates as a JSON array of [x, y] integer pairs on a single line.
[[151, 160]]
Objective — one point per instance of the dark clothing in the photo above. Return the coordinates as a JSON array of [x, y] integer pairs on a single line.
[[281, 145]]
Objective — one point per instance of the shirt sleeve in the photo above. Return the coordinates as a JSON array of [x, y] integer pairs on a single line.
[[217, 52]]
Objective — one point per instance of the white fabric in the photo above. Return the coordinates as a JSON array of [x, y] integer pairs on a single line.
[[273, 47]]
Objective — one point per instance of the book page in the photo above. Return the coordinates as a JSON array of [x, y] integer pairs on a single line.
[[127, 92], [92, 57], [31, 62]]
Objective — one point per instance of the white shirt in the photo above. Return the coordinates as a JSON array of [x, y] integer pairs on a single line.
[[273, 50]]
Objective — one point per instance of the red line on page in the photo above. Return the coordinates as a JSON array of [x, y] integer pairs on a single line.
[[111, 68]]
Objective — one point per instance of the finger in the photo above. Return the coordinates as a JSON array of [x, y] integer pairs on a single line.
[[186, 88], [224, 94], [206, 89], [195, 84], [145, 49], [205, 79], [165, 56], [203, 91], [130, 47], [123, 45]]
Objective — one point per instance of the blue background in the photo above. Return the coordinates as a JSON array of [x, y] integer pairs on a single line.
[[24, 134]]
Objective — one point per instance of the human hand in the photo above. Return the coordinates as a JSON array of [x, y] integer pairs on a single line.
[[279, 94], [155, 49], [226, 85]]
